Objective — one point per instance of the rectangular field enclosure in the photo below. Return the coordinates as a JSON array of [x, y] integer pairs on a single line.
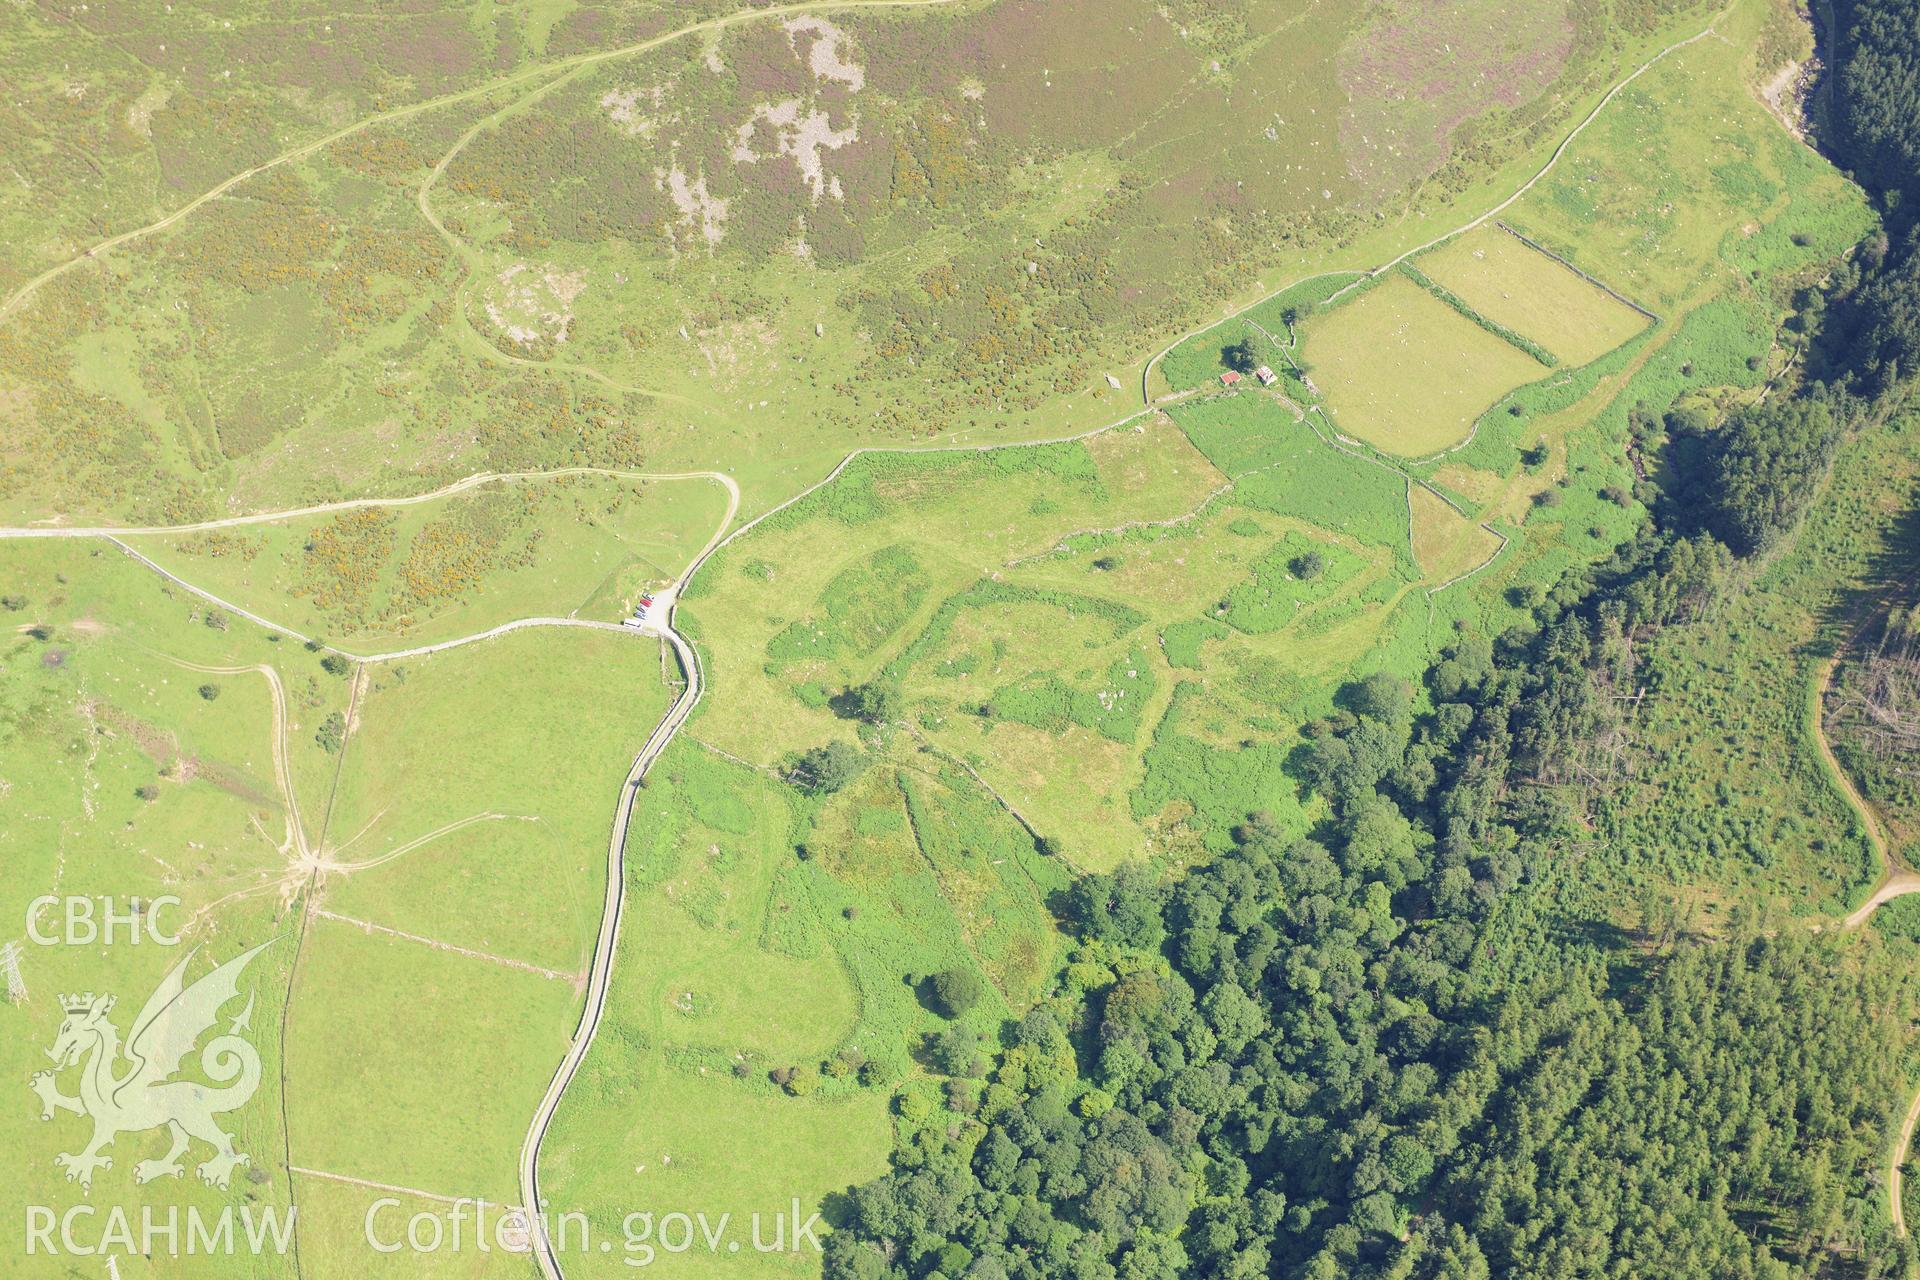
[[1405, 372], [1513, 284]]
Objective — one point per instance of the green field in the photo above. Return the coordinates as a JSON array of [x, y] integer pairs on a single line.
[[453, 827], [389, 1040], [1659, 208], [333, 1225], [1050, 668], [186, 761], [1447, 544], [1524, 290], [425, 988], [829, 592], [1403, 371]]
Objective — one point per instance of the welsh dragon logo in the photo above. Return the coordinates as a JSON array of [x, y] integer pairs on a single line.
[[129, 1089]]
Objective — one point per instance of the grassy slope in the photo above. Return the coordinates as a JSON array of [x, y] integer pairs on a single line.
[[458, 565], [94, 710]]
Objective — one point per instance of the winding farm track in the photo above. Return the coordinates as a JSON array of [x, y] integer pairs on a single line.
[[1896, 881], [353, 504], [116, 534], [599, 974], [600, 970]]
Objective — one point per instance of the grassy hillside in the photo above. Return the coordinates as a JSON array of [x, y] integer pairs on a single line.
[[1063, 765]]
